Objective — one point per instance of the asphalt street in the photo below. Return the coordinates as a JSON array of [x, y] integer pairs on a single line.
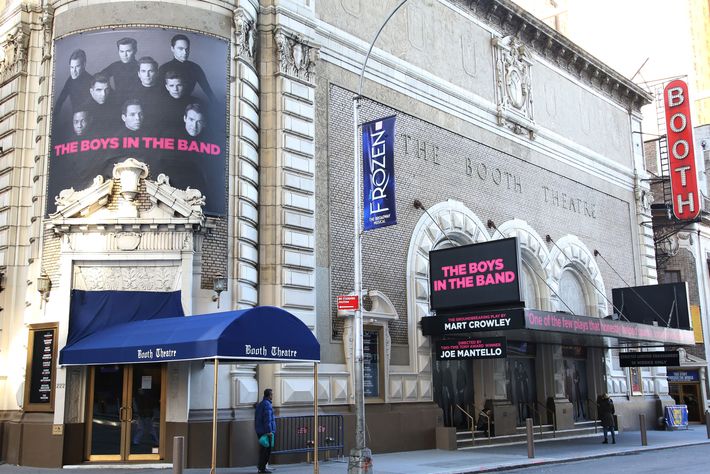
[[690, 459]]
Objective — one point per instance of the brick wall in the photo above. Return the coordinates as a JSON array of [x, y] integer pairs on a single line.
[[433, 165]]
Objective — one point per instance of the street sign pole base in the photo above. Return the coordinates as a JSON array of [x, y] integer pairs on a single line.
[[360, 461]]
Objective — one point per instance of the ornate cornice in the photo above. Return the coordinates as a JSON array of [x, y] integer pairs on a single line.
[[296, 57], [512, 20]]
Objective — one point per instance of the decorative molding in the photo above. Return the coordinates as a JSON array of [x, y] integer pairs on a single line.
[[514, 85], [133, 278], [296, 57], [245, 35], [47, 31], [13, 52], [70, 202], [511, 20]]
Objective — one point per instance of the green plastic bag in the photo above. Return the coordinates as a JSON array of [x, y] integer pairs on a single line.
[[266, 441]]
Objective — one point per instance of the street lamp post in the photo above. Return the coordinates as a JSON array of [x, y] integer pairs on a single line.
[[360, 461]]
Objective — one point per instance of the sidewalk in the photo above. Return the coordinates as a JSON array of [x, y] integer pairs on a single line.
[[495, 458]]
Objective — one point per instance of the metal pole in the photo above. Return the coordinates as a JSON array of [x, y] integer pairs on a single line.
[[315, 418], [178, 454], [530, 434], [213, 469], [642, 423], [360, 461], [707, 422]]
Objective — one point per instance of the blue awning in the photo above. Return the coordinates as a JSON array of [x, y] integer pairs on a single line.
[[264, 333]]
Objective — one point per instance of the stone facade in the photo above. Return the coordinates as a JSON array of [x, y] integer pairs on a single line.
[[514, 132]]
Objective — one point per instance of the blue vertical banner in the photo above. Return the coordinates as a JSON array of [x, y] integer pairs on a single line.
[[378, 173]]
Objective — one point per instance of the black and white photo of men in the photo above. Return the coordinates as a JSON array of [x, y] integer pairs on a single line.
[[123, 72], [191, 72], [128, 109], [149, 92], [76, 87], [81, 123], [195, 120], [132, 118], [176, 100]]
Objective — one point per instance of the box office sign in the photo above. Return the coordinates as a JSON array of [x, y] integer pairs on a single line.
[[474, 322], [679, 376], [154, 94], [649, 359], [471, 349], [475, 275]]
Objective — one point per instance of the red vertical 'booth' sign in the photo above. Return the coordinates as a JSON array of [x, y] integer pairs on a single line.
[[681, 153]]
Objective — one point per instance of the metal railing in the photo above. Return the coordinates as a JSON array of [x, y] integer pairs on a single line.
[[294, 434], [470, 424], [536, 414], [554, 418]]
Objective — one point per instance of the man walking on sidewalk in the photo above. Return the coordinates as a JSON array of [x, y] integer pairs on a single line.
[[605, 409], [265, 426]]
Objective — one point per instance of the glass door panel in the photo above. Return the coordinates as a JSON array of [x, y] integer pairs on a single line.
[[107, 412], [125, 412], [146, 401]]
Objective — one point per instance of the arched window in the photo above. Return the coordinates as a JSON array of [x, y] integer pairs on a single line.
[[529, 287], [572, 292]]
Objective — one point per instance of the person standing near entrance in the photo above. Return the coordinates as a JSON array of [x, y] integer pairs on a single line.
[[265, 424], [605, 409]]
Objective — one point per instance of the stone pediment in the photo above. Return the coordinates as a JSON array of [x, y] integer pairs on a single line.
[[128, 200]]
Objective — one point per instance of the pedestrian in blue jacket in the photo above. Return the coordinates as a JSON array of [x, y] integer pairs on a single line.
[[265, 424]]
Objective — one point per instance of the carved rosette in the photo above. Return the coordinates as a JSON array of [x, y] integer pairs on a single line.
[[13, 52], [514, 85], [244, 35], [295, 56]]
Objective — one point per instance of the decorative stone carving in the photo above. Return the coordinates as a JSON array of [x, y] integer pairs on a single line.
[[244, 35], [47, 25], [296, 58], [128, 240], [130, 172], [193, 197], [514, 85], [136, 278], [13, 53], [69, 196]]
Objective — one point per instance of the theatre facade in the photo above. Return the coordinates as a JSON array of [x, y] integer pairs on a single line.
[[162, 159]]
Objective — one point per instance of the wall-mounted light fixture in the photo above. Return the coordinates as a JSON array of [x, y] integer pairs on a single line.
[[219, 284], [44, 286]]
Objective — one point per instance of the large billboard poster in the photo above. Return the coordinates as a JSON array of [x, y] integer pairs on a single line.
[[153, 94], [475, 275]]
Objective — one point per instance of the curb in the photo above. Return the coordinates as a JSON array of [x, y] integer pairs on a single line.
[[543, 462]]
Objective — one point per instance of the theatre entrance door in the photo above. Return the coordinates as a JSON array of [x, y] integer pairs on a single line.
[[125, 412]]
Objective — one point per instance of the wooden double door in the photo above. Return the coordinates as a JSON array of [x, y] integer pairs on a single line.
[[126, 412]]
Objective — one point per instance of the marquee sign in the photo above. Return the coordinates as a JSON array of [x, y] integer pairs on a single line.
[[649, 359], [471, 349], [480, 321], [684, 180], [476, 275]]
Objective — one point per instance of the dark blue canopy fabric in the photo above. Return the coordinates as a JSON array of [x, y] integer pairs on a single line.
[[91, 311], [264, 333]]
